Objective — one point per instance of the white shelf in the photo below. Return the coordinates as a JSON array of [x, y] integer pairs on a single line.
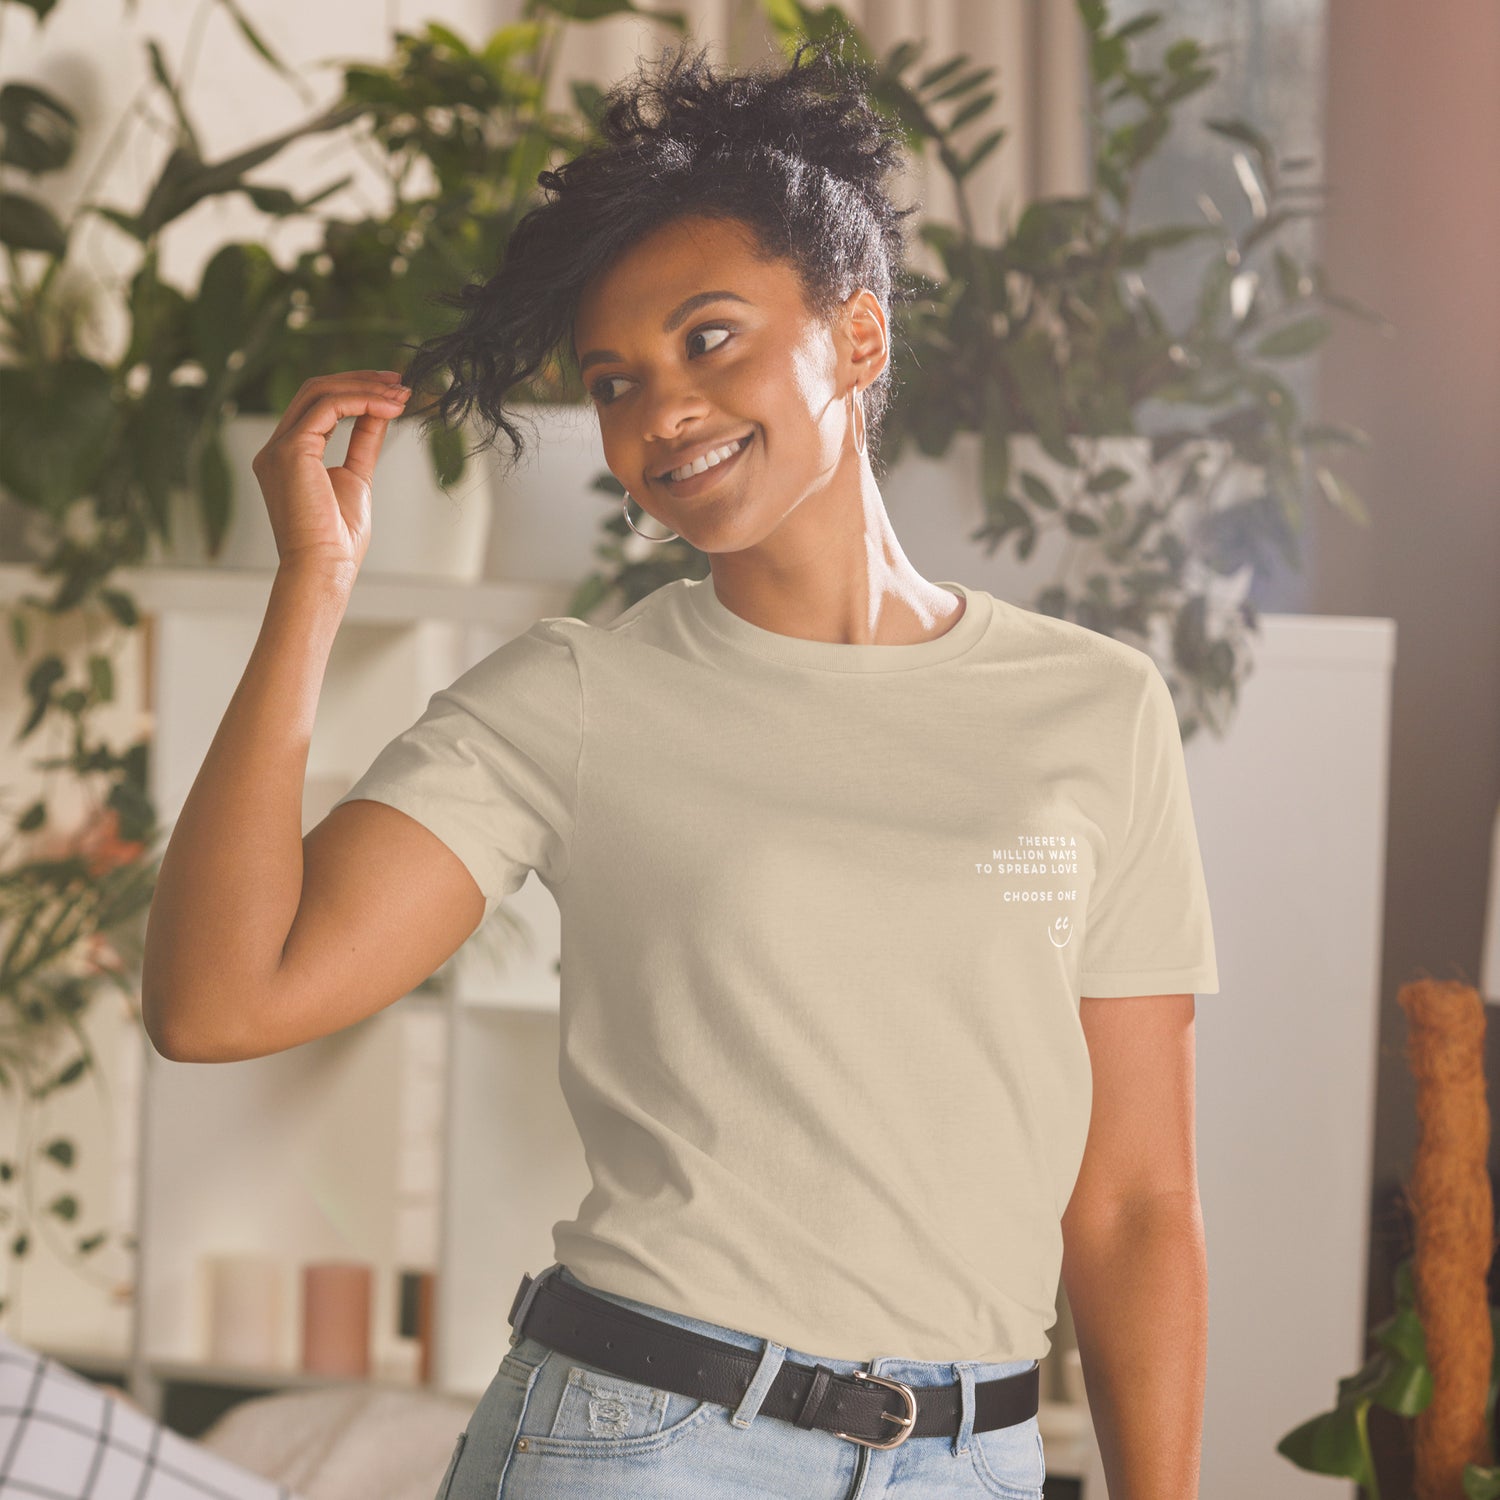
[[77, 1356], [507, 607], [205, 1372], [268, 1377], [344, 1148]]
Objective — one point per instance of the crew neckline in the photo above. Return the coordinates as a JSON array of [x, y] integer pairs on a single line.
[[841, 656]]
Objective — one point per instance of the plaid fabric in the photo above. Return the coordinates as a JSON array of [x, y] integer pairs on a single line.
[[64, 1438]]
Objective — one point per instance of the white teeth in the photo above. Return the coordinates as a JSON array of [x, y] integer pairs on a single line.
[[716, 456]]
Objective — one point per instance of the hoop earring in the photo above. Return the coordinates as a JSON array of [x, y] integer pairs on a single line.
[[862, 440], [625, 509]]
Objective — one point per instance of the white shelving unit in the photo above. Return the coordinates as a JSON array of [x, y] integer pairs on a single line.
[[336, 1149], [300, 1153]]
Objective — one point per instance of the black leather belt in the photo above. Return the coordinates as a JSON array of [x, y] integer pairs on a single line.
[[650, 1352]]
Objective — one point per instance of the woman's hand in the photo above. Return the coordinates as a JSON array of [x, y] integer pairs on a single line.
[[321, 515]]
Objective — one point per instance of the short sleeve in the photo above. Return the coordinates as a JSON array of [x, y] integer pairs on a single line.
[[1149, 930], [491, 766]]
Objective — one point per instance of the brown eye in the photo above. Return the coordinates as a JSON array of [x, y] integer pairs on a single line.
[[598, 389], [711, 329]]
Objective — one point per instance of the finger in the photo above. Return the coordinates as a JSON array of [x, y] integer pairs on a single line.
[[307, 401], [364, 445], [320, 387]]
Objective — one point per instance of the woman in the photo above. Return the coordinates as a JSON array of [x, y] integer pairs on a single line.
[[837, 851]]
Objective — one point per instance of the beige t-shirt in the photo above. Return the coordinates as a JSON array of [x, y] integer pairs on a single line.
[[827, 911]]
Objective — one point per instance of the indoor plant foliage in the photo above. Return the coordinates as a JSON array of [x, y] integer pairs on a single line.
[[120, 434], [1437, 1360], [99, 445], [93, 448], [1046, 345], [1397, 1378], [1051, 334], [476, 122]]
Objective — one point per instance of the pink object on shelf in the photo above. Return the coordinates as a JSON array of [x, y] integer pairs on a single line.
[[336, 1304]]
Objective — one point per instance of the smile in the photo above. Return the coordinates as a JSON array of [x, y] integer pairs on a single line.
[[718, 458]]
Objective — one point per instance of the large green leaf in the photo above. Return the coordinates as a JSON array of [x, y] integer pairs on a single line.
[[186, 179], [28, 224], [159, 318], [218, 314], [158, 437], [38, 132], [55, 440], [215, 489]]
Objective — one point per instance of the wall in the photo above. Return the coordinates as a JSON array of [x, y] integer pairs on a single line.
[[1414, 165]]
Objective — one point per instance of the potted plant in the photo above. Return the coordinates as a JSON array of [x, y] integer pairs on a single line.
[[484, 154], [1437, 1357], [1036, 364], [94, 445], [1397, 1378], [99, 443], [1166, 462], [103, 452], [474, 119]]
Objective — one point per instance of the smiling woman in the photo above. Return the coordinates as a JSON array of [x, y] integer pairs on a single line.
[[786, 883], [719, 271], [793, 161], [723, 410]]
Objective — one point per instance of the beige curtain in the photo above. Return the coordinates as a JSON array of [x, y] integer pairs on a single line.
[[1036, 46]]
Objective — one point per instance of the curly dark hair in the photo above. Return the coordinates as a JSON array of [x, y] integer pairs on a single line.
[[794, 152]]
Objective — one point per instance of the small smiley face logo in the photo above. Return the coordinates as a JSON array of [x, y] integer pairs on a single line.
[[1060, 932]]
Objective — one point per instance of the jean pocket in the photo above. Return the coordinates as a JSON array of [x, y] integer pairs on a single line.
[[1010, 1461], [578, 1408]]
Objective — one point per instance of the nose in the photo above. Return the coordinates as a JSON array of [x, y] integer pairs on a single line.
[[670, 405]]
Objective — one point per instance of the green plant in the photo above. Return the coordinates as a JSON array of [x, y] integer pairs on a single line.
[[96, 446], [1050, 334], [93, 447], [1396, 1377], [119, 434], [475, 122]]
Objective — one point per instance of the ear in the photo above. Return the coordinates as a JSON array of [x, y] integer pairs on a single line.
[[864, 343]]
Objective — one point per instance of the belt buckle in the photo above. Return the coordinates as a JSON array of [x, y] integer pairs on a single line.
[[906, 1423]]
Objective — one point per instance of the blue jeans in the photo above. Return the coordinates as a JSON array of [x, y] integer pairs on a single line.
[[552, 1428]]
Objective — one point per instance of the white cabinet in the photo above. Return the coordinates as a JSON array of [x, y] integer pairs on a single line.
[[1291, 811]]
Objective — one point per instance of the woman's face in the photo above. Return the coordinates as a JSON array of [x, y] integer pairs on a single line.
[[688, 343]]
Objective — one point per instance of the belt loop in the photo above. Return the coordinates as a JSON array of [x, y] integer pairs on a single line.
[[518, 1319], [964, 1369], [765, 1372]]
